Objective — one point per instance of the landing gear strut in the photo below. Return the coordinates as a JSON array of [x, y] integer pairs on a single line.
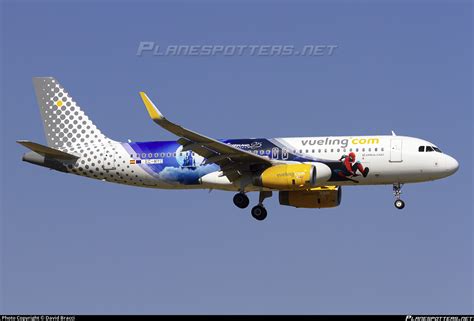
[[241, 200], [259, 212], [397, 190]]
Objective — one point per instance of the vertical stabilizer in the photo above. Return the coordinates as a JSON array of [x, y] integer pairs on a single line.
[[65, 124]]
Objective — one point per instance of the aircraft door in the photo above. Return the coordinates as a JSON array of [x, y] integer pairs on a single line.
[[396, 150]]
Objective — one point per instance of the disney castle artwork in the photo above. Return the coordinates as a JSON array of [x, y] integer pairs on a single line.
[[188, 161]]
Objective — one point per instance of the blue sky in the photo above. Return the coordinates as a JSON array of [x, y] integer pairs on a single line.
[[73, 245]]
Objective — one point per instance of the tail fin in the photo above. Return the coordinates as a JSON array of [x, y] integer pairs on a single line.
[[65, 124]]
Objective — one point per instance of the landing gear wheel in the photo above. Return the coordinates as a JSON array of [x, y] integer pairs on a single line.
[[399, 204], [241, 200], [397, 190], [259, 212]]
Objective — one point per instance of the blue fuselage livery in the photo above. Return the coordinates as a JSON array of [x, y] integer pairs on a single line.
[[306, 172], [167, 161]]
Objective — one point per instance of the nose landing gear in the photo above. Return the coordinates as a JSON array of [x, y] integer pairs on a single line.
[[397, 190]]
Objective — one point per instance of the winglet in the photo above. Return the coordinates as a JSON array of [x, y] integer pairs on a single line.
[[152, 110]]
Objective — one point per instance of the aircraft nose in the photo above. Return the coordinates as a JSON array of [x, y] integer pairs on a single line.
[[452, 165]]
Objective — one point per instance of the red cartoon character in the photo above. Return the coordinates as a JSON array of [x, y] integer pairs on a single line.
[[351, 166]]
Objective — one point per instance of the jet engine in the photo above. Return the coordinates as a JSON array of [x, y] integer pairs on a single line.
[[287, 177], [294, 176], [319, 197]]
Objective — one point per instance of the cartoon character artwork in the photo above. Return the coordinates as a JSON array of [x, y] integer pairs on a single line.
[[350, 168]]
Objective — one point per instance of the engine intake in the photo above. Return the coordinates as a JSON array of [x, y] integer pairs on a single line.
[[319, 197], [287, 177]]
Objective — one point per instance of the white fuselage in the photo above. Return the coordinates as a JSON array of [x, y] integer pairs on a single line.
[[394, 159]]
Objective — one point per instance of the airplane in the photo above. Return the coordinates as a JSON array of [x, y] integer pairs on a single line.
[[307, 172]]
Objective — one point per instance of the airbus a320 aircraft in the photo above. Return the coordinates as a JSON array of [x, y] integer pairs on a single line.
[[306, 172]]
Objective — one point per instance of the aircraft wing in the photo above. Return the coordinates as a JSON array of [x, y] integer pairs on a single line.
[[233, 161]]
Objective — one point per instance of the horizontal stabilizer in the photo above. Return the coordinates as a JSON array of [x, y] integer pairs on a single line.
[[47, 151]]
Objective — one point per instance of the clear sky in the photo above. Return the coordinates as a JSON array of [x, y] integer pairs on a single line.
[[74, 245]]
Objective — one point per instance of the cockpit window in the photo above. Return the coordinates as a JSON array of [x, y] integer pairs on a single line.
[[429, 149]]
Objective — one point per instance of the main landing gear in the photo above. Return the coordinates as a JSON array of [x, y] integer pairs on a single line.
[[397, 190], [241, 200], [258, 212]]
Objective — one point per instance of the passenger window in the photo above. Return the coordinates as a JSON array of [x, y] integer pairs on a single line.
[[325, 150], [357, 149], [429, 149], [313, 151], [375, 149], [332, 150], [421, 148]]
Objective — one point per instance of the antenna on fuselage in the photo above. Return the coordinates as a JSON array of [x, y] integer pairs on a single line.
[[393, 133]]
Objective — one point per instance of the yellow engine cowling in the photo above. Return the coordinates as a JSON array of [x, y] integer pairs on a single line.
[[287, 177], [319, 197]]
